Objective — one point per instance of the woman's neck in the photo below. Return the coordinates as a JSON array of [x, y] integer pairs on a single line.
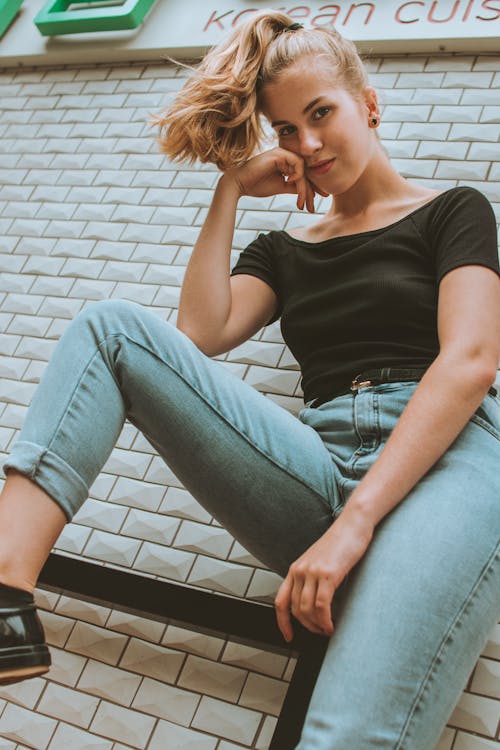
[[379, 186]]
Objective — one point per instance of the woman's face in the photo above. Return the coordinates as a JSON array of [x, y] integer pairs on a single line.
[[322, 122]]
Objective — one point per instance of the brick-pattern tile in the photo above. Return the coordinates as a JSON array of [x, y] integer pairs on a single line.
[[90, 210], [226, 720], [108, 682]]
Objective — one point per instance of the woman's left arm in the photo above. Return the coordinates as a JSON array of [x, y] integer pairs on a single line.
[[447, 396]]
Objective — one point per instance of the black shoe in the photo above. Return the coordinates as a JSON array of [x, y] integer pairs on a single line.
[[23, 651]]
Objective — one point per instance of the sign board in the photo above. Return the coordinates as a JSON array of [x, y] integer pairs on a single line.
[[186, 28]]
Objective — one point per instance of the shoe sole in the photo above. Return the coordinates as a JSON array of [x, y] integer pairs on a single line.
[[23, 662], [23, 673]]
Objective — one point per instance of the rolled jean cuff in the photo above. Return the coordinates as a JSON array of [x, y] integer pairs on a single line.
[[49, 472]]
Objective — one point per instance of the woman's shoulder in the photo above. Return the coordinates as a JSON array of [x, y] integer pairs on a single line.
[[462, 203]]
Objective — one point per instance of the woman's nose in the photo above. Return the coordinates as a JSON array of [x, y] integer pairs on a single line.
[[309, 142]]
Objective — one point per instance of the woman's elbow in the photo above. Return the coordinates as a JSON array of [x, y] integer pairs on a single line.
[[200, 340], [480, 371]]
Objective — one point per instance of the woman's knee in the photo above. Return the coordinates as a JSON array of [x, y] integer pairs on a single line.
[[109, 309], [109, 317]]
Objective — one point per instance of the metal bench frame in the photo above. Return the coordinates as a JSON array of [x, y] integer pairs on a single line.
[[254, 623]]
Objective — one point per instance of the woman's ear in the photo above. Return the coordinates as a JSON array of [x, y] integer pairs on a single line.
[[371, 101]]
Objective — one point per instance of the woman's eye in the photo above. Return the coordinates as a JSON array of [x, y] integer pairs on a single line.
[[321, 112], [285, 131]]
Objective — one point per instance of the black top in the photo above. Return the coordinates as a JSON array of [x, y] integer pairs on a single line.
[[369, 300]]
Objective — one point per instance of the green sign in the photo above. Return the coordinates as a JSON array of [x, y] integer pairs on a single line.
[[8, 11], [61, 16]]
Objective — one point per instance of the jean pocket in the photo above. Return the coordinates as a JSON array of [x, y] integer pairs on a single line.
[[487, 415]]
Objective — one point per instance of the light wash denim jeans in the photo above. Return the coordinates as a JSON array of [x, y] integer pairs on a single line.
[[411, 618]]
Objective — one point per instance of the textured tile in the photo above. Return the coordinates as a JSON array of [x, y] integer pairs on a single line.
[[263, 694], [446, 739], [469, 742], [475, 714], [98, 643], [137, 494], [57, 628], [486, 678], [73, 538], [193, 641], [203, 538], [290, 669], [257, 353], [66, 667], [67, 736], [70, 705], [150, 526], [79, 609], [492, 647], [228, 721], [149, 630], [122, 724], [264, 586], [258, 660], [161, 473], [164, 561], [218, 575], [168, 735], [240, 555], [179, 502], [211, 678], [45, 599], [107, 682], [153, 661], [27, 727], [271, 380], [266, 733], [166, 701], [25, 693], [100, 515], [29, 346], [112, 548], [127, 463]]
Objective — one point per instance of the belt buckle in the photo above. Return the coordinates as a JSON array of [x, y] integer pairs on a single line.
[[357, 384]]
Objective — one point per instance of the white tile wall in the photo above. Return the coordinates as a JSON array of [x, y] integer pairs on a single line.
[[90, 210]]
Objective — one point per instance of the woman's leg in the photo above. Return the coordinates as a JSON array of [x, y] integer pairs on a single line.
[[265, 476], [31, 522], [417, 610]]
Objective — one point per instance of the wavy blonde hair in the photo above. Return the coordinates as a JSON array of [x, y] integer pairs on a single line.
[[216, 117]]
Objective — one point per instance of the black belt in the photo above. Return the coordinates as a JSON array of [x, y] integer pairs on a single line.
[[377, 377]]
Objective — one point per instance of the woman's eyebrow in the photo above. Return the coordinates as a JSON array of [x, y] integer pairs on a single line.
[[304, 111]]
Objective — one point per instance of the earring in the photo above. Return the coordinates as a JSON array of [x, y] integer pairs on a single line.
[[374, 121]]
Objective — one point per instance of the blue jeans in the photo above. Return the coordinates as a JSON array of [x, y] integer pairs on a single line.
[[411, 618]]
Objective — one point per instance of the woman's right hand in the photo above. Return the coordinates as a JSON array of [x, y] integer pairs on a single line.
[[273, 172]]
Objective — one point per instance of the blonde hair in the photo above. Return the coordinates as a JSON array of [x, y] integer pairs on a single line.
[[216, 117]]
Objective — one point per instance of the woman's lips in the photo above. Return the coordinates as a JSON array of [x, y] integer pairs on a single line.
[[322, 167]]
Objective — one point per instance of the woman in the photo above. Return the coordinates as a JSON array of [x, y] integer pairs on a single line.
[[379, 505]]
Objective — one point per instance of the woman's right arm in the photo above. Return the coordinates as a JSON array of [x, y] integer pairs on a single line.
[[218, 311], [207, 312]]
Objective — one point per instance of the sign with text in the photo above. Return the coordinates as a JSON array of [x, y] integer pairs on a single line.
[[187, 29], [383, 19]]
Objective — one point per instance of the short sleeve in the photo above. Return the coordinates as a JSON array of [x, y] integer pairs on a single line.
[[257, 259], [463, 232]]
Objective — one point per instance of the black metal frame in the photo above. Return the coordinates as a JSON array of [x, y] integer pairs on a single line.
[[165, 601]]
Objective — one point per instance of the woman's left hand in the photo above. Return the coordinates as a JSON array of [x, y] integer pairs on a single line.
[[308, 589]]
